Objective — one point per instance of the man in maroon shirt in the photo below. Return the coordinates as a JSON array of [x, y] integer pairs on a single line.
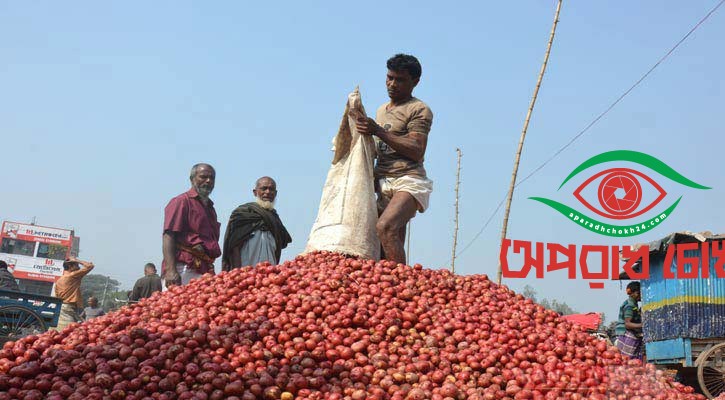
[[191, 230]]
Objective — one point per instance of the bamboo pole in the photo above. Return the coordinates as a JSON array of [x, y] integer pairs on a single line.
[[105, 288], [507, 210], [407, 236], [455, 224]]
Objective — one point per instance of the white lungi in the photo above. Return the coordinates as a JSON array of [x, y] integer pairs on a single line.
[[418, 187]]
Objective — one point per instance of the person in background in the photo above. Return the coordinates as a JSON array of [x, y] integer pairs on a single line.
[[147, 285], [7, 280], [400, 130], [191, 230], [68, 289], [255, 232], [629, 325], [93, 310]]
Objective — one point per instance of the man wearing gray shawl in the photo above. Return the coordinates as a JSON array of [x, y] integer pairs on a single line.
[[255, 232]]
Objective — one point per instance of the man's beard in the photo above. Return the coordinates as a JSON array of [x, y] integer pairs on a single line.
[[267, 205], [203, 191]]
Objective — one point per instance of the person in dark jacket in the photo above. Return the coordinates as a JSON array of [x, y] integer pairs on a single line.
[[7, 280], [146, 286], [255, 232]]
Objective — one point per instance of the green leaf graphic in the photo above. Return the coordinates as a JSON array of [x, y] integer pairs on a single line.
[[607, 229], [639, 158]]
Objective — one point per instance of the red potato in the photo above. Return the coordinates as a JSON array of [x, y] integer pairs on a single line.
[[324, 326]]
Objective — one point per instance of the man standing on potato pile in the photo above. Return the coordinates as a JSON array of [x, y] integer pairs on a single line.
[[191, 230], [255, 232], [401, 129]]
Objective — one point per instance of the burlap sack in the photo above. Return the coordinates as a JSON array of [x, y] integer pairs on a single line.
[[348, 213]]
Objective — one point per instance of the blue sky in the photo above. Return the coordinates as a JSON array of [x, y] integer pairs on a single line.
[[106, 106]]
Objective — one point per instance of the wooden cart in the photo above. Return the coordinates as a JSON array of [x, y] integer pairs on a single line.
[[23, 314]]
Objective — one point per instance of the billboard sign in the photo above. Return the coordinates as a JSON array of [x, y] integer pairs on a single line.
[[34, 252]]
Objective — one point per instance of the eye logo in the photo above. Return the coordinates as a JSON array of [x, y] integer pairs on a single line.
[[620, 194]]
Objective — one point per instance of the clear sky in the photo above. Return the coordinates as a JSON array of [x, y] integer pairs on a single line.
[[105, 107]]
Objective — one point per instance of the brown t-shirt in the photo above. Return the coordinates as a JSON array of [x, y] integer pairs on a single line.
[[68, 287], [411, 116]]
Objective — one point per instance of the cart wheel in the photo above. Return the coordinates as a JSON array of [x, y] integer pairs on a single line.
[[711, 371], [17, 322]]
